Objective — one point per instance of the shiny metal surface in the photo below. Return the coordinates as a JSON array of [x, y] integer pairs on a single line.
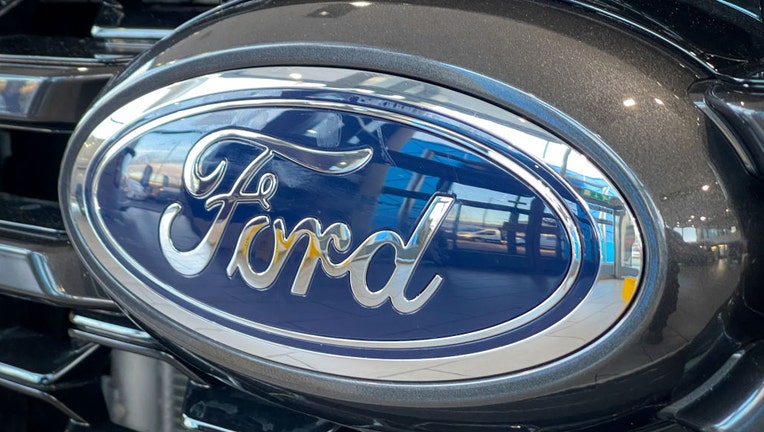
[[142, 349], [58, 372], [130, 33], [193, 261], [739, 113], [34, 231], [44, 396], [619, 89], [109, 138], [196, 425], [751, 8], [731, 399], [111, 330], [48, 272], [123, 338], [129, 27], [17, 94], [27, 89], [32, 377], [408, 254]]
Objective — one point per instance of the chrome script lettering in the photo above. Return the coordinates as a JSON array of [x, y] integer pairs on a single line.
[[355, 265], [408, 253]]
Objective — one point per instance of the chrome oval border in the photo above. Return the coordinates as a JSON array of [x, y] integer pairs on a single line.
[[543, 347], [550, 197]]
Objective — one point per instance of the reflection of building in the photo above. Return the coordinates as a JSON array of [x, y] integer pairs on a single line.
[[497, 218], [500, 219], [494, 216], [620, 245], [146, 178]]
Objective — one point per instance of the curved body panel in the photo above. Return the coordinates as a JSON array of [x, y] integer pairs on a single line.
[[615, 97]]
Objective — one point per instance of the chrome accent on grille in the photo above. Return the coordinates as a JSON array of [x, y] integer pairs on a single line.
[[129, 33], [47, 369], [32, 230], [112, 331], [50, 273], [131, 27], [47, 81], [127, 339], [728, 401], [44, 396], [25, 376], [47, 94], [29, 88], [196, 425]]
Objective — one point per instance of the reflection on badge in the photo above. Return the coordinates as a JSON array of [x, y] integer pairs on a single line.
[[336, 225]]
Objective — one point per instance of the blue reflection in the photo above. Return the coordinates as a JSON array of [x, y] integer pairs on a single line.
[[500, 250]]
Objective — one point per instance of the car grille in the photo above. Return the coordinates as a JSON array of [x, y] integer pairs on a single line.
[[69, 359]]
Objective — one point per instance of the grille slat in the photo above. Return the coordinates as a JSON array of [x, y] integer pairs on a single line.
[[83, 361], [57, 372], [48, 272], [130, 339]]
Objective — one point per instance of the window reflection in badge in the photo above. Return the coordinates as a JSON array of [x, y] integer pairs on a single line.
[[351, 226]]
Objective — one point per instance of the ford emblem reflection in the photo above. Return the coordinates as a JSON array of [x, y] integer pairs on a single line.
[[319, 225]]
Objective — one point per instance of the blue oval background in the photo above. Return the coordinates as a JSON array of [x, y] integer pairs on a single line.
[[493, 270]]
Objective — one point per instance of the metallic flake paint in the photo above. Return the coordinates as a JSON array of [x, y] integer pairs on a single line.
[[469, 354]]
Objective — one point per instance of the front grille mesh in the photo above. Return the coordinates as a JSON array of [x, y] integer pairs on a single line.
[[69, 360], [51, 69]]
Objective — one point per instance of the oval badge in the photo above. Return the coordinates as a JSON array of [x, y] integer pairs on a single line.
[[341, 221]]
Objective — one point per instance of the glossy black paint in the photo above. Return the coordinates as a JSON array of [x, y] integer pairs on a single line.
[[726, 37], [739, 113], [728, 401], [39, 364], [588, 70], [28, 93]]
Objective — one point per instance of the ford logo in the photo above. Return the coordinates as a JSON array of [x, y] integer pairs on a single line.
[[408, 253], [301, 221]]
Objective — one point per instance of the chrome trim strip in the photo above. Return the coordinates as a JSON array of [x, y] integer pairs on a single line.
[[726, 130], [30, 274], [198, 425], [114, 331], [754, 15], [20, 375], [128, 33], [141, 349], [28, 86], [20, 271], [555, 342], [41, 395], [21, 89]]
